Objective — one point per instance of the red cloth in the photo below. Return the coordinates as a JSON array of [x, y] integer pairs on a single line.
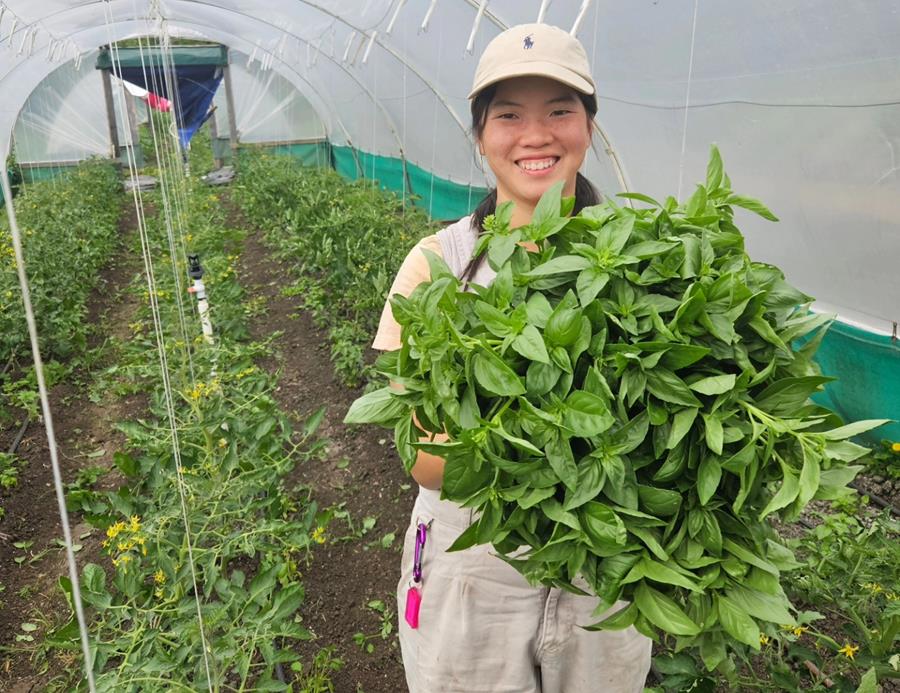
[[158, 102]]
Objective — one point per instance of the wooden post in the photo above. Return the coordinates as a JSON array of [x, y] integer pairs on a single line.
[[232, 127], [133, 129], [214, 138], [110, 112]]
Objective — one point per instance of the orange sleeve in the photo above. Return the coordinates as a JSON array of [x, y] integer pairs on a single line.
[[412, 272]]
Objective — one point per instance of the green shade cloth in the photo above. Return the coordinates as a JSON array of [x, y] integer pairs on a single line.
[[867, 368], [441, 198], [177, 56]]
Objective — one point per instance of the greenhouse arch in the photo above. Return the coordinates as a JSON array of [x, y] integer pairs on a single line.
[[680, 392]]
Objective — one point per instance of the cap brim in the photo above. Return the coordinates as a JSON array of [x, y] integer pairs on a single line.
[[535, 69]]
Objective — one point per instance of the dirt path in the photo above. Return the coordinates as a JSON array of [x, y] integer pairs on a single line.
[[33, 559], [360, 473]]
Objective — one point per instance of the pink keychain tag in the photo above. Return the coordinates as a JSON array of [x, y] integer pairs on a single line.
[[413, 600], [413, 595]]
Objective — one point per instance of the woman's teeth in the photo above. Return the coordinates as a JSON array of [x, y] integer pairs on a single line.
[[537, 164]]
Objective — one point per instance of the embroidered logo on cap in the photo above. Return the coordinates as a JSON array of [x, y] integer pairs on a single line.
[[529, 42]]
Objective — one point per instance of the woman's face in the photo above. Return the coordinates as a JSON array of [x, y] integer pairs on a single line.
[[536, 134]]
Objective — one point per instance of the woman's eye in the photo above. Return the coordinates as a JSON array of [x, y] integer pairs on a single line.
[[506, 116], [561, 112]]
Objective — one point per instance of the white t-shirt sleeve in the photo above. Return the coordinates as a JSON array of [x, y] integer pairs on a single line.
[[412, 272]]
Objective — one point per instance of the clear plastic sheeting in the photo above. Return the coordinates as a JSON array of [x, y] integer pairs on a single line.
[[800, 96], [268, 107], [64, 118]]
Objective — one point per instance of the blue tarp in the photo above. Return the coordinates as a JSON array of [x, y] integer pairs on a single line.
[[196, 85]]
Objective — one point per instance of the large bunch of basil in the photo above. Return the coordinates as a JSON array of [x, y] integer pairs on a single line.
[[629, 402]]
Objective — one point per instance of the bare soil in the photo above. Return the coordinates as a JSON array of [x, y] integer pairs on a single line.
[[360, 472]]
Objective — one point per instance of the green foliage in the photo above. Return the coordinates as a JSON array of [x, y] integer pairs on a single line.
[[885, 460], [69, 228], [850, 571], [227, 523], [317, 678], [10, 466], [343, 240], [626, 402], [849, 574]]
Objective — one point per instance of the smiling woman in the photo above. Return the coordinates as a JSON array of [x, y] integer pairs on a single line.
[[473, 622], [534, 132]]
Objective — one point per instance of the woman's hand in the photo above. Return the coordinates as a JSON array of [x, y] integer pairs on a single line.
[[428, 470]]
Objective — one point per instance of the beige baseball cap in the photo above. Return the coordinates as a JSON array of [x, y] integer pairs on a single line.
[[534, 49]]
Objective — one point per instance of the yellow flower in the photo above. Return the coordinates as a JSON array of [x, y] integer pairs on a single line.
[[135, 523], [895, 447], [873, 587], [113, 530], [849, 650], [318, 535], [799, 630], [763, 639], [159, 577], [222, 442]]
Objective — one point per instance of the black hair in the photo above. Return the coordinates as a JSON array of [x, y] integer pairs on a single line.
[[586, 194]]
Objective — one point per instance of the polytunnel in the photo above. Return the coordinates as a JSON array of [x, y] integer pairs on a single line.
[[386, 83], [801, 97]]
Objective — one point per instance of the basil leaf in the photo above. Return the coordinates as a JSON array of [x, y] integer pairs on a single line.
[[714, 385], [663, 612], [495, 376], [790, 487], [737, 622], [713, 433], [751, 204], [765, 606], [559, 265], [854, 429], [709, 473], [601, 525], [586, 414], [668, 387], [681, 424], [619, 620], [559, 456], [590, 483], [531, 345], [380, 406]]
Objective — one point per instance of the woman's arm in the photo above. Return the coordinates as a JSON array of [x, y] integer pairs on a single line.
[[428, 469]]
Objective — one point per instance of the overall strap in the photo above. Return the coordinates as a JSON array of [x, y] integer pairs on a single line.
[[457, 245]]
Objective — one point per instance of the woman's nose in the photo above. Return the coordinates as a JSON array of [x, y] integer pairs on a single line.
[[536, 133]]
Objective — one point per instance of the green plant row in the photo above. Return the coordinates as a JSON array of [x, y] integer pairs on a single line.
[[345, 240], [69, 228], [249, 534]]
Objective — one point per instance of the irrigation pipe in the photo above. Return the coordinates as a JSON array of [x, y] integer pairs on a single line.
[[18, 439], [878, 500]]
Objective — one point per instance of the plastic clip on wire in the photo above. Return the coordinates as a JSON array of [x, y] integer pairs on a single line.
[[414, 594]]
